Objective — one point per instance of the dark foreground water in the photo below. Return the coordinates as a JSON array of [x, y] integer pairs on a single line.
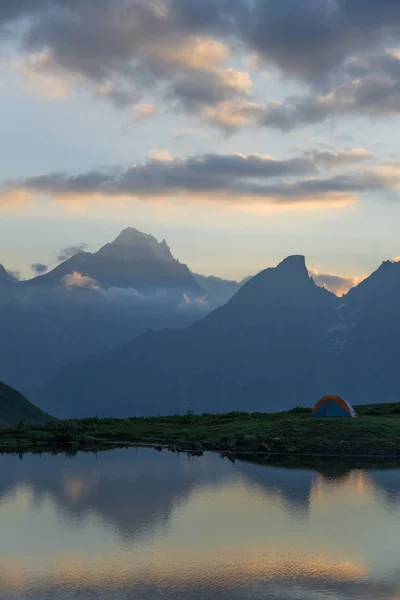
[[139, 525]]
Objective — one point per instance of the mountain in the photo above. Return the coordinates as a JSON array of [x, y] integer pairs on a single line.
[[93, 303], [14, 407], [8, 285], [367, 338], [133, 260], [266, 348], [5, 276]]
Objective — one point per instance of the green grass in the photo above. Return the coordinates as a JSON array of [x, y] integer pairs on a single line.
[[376, 432]]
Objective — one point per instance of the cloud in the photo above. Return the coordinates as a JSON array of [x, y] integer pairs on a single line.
[[70, 251], [371, 88], [212, 176], [179, 51], [120, 50], [233, 115], [200, 301], [145, 111], [232, 178], [123, 297], [211, 87], [338, 284], [161, 156], [41, 75], [342, 158], [77, 280], [187, 53], [39, 268]]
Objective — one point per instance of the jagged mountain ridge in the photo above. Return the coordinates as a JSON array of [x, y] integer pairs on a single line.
[[265, 343], [133, 260], [92, 302], [279, 342]]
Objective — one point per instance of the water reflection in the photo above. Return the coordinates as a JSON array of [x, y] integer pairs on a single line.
[[136, 524]]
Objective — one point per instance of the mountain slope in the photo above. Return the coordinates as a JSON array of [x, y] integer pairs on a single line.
[[14, 407], [367, 341], [92, 303], [133, 260], [8, 285], [265, 349]]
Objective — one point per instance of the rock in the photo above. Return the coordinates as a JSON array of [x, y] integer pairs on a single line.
[[158, 448], [264, 448], [276, 439], [293, 449], [88, 440]]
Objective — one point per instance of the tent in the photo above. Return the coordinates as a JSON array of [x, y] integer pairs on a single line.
[[333, 406]]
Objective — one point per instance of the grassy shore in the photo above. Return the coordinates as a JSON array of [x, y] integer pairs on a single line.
[[376, 432]]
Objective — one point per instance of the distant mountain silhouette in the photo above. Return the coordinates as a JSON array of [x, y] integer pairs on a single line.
[[367, 338], [133, 260], [265, 349], [8, 284], [93, 303], [14, 407], [128, 330], [6, 276]]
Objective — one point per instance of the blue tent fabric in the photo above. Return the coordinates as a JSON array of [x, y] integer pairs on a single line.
[[333, 406]]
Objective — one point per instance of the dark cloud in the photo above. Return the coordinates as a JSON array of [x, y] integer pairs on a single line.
[[232, 176], [39, 268], [178, 49], [69, 251], [303, 37], [210, 87]]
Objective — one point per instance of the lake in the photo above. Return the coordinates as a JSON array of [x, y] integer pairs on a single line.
[[135, 524]]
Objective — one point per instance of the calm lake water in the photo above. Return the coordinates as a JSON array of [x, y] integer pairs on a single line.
[[140, 525]]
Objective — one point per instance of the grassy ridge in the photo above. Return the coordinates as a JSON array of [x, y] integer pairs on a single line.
[[375, 433]]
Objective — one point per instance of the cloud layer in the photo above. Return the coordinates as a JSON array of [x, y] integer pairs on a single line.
[[234, 177], [186, 55]]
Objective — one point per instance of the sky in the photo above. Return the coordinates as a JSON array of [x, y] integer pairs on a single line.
[[241, 131]]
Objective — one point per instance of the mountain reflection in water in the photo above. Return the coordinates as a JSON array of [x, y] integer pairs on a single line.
[[139, 525]]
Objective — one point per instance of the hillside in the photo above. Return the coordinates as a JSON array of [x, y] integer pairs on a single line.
[[14, 407], [281, 341], [92, 302], [133, 260], [265, 349]]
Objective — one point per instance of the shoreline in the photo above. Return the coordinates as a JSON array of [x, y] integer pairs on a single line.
[[374, 435], [108, 446]]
